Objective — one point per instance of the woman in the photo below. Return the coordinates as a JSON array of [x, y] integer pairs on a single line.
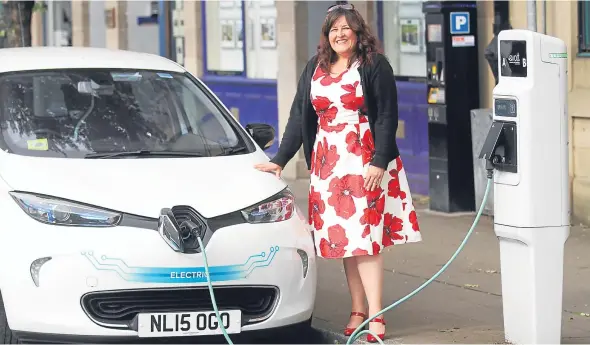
[[345, 116]]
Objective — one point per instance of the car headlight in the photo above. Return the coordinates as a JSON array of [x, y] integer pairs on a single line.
[[280, 207], [55, 211]]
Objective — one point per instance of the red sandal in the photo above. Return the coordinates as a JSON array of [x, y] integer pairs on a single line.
[[348, 331], [370, 337]]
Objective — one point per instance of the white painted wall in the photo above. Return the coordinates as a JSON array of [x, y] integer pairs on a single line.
[[97, 25], [58, 23], [142, 38]]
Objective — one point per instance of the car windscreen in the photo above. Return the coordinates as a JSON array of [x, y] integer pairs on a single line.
[[75, 113]]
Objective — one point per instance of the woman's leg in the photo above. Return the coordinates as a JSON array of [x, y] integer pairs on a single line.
[[370, 269], [357, 292]]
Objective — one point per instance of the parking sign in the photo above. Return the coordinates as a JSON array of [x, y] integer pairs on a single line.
[[459, 23]]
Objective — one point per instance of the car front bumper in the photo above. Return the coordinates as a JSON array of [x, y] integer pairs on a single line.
[[291, 334], [122, 259]]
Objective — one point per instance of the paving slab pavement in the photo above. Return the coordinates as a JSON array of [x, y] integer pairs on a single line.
[[465, 304]]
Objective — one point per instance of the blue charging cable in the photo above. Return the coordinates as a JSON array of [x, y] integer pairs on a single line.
[[206, 264], [357, 332]]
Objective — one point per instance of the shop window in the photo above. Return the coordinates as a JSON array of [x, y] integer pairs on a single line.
[[261, 41], [241, 38], [224, 37], [403, 37], [584, 27]]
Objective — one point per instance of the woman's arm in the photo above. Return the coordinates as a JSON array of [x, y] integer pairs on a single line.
[[384, 90], [293, 135]]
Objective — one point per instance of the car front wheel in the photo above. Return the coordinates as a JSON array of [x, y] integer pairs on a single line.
[[300, 333], [6, 335]]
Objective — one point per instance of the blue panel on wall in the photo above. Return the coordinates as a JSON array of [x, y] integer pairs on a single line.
[[147, 20], [413, 111], [253, 100]]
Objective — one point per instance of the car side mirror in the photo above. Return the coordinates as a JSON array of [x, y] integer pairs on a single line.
[[263, 134]]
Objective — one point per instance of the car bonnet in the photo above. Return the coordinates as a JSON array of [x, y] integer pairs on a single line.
[[143, 186]]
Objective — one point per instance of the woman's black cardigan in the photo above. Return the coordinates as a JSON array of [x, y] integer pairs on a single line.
[[380, 93]]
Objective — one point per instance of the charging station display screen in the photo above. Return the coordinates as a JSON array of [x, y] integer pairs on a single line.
[[505, 107], [513, 59]]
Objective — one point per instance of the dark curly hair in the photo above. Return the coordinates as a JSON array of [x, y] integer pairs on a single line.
[[367, 44]]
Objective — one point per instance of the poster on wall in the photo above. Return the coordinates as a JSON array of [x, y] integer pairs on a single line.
[[268, 33], [227, 34], [239, 29], [410, 36]]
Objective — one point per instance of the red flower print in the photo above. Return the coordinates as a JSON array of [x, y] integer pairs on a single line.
[[350, 100], [323, 108], [318, 74], [335, 245], [393, 187], [363, 119], [316, 209], [312, 165], [325, 159], [366, 232], [376, 248], [328, 79], [336, 128], [376, 205], [391, 227], [414, 220], [343, 190], [368, 147], [353, 142], [358, 252]]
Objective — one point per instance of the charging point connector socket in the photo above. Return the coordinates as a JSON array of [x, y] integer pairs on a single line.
[[499, 148]]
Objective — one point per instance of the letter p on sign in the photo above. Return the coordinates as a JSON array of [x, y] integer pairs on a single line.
[[459, 23]]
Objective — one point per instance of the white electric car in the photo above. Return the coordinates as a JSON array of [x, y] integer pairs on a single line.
[[112, 163]]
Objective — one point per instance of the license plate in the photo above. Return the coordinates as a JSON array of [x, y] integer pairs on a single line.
[[188, 324]]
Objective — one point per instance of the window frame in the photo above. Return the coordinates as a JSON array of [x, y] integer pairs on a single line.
[[233, 76], [206, 70], [584, 28], [381, 37]]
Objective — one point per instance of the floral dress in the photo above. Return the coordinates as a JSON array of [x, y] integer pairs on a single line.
[[347, 219]]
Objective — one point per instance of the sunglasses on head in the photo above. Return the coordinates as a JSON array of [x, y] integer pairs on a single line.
[[342, 6]]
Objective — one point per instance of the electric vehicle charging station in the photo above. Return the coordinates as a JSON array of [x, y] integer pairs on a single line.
[[527, 147]]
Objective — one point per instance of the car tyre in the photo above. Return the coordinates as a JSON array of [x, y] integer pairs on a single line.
[[301, 333], [6, 334]]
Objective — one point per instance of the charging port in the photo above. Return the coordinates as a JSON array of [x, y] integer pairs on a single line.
[[499, 148]]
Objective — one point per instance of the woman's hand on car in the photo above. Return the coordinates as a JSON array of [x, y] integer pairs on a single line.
[[269, 167]]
